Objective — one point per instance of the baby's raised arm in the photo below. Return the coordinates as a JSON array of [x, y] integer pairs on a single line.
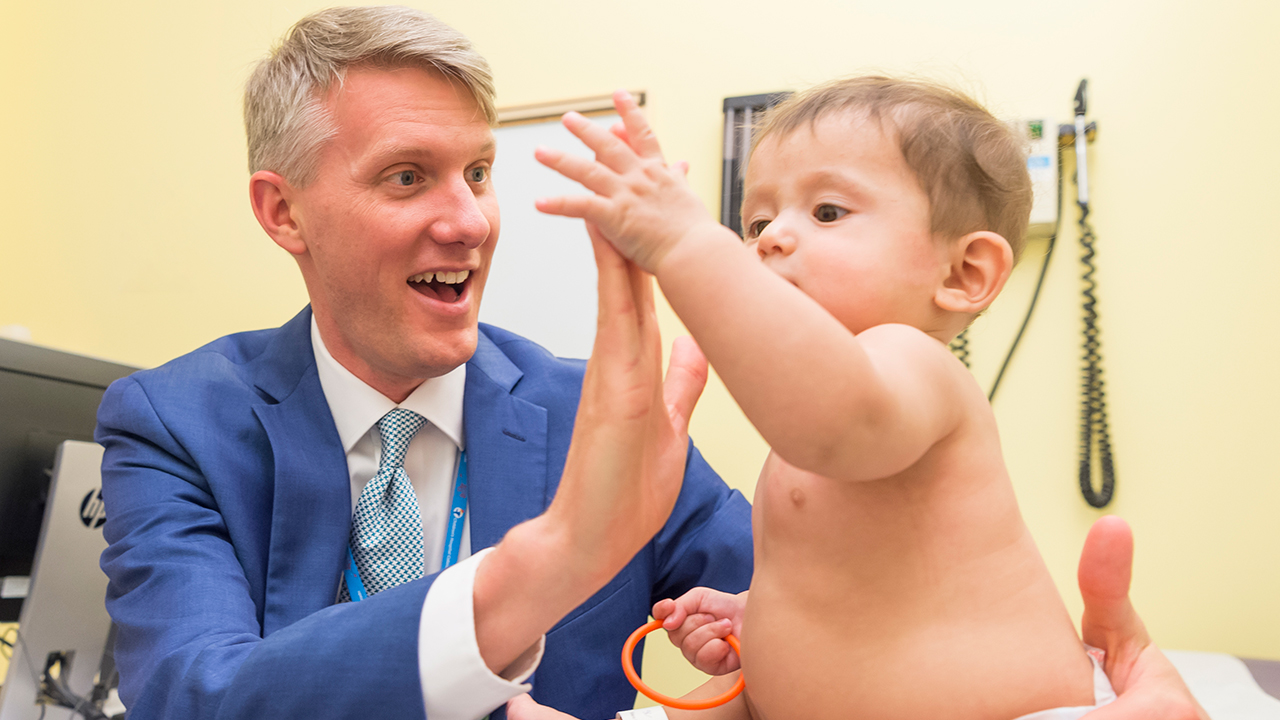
[[858, 408]]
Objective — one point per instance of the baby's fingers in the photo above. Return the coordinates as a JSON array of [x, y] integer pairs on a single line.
[[640, 135], [706, 633], [716, 658], [663, 610], [592, 175], [609, 149], [591, 208]]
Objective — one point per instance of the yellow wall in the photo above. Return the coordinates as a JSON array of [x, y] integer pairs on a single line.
[[126, 233]]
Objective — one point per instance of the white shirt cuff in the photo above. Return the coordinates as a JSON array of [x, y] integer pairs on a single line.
[[456, 683], [655, 712]]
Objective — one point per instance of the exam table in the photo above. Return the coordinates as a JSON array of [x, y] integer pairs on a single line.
[[1231, 688]]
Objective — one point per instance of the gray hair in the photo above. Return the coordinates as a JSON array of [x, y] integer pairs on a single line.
[[285, 118]]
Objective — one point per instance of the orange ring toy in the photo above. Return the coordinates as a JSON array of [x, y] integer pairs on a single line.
[[629, 668]]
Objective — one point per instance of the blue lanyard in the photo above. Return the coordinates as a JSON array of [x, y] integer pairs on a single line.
[[457, 514], [452, 536]]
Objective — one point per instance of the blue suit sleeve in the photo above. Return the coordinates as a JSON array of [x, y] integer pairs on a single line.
[[186, 590], [707, 540]]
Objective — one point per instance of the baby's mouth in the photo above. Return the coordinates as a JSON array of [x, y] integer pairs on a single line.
[[443, 286]]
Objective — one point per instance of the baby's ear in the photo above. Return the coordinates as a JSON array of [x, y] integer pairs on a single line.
[[980, 264]]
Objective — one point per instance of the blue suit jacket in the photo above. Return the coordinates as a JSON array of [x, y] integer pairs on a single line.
[[229, 507]]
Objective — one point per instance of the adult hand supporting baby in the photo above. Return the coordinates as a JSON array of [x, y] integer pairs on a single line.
[[1147, 683]]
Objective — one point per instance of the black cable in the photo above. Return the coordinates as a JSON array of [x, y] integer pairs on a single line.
[[960, 346], [54, 690], [6, 643], [1093, 411], [1035, 294]]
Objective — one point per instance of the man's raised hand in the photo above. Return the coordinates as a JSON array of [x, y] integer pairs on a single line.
[[627, 457]]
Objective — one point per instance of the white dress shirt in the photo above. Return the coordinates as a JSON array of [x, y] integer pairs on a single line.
[[456, 683]]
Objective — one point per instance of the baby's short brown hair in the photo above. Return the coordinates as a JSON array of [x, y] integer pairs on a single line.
[[972, 167]]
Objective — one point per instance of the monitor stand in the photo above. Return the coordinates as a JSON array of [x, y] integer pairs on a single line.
[[64, 610]]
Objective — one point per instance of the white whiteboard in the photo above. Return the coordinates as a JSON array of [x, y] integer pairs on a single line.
[[543, 281]]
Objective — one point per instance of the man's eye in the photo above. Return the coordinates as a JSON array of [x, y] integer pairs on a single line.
[[478, 174], [829, 213], [404, 178], [755, 228]]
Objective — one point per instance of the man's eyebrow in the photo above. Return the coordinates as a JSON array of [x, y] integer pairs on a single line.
[[401, 149]]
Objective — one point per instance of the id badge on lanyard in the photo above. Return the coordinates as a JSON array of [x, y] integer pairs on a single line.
[[452, 536]]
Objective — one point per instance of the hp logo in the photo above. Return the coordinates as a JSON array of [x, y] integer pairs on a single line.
[[92, 512]]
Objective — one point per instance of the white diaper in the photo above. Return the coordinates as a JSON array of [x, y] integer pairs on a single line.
[[1103, 694]]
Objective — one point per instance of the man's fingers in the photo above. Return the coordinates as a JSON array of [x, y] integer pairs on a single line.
[[617, 331], [686, 378], [524, 707], [641, 137], [590, 174]]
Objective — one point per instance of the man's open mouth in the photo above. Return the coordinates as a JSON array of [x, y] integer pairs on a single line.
[[443, 286]]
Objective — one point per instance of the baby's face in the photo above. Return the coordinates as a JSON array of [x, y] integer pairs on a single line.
[[837, 212]]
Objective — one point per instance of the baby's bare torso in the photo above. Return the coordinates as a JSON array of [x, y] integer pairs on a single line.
[[911, 597]]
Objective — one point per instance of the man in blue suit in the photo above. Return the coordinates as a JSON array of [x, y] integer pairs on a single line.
[[231, 473], [256, 484]]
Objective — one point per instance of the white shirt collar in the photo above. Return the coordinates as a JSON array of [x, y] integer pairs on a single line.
[[356, 407]]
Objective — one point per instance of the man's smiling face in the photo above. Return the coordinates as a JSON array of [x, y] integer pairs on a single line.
[[399, 226]]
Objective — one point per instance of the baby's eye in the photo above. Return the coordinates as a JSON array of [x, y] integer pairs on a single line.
[[478, 174], [755, 228], [829, 213], [404, 178]]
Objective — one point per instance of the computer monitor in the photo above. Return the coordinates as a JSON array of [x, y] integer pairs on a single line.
[[46, 396], [64, 620]]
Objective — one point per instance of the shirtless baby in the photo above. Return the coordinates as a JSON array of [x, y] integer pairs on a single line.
[[895, 578]]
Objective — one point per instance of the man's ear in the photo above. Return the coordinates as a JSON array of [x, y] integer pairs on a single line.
[[272, 199], [980, 264]]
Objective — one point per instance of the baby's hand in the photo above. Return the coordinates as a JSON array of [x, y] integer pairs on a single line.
[[697, 623], [642, 205]]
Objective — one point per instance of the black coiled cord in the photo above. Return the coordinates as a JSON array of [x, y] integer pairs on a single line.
[[960, 346], [1093, 410]]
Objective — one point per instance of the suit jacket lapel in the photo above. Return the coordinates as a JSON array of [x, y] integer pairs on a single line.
[[311, 511], [311, 508], [506, 448]]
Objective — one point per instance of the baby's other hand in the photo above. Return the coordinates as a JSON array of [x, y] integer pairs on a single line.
[[697, 623]]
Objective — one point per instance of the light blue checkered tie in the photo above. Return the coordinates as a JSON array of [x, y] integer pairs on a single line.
[[386, 529]]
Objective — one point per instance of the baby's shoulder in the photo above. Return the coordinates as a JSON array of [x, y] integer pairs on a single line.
[[911, 353]]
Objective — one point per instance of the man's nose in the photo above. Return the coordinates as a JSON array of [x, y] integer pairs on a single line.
[[459, 217]]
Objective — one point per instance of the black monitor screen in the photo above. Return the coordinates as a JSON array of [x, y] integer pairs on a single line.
[[46, 396]]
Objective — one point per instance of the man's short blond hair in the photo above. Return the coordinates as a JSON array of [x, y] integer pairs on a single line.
[[972, 167], [285, 117]]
